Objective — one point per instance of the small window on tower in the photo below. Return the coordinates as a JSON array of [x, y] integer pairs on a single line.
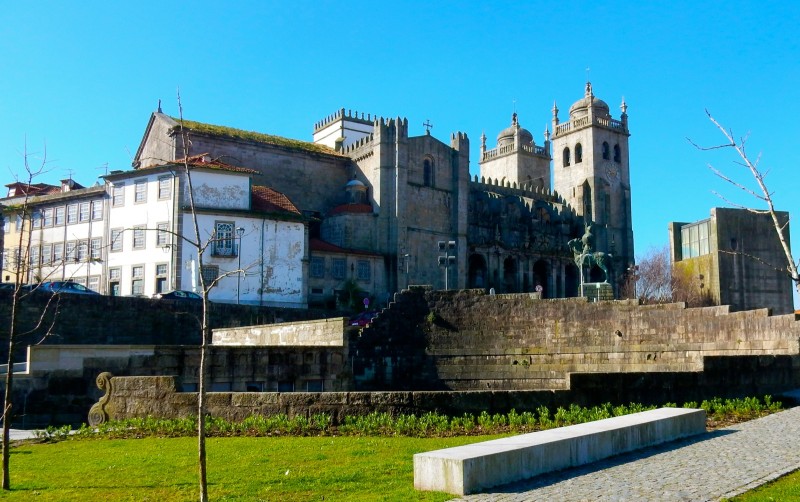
[[606, 152], [427, 173], [566, 157], [617, 155], [578, 153]]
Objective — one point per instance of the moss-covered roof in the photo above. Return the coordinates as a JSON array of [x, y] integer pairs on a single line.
[[269, 139]]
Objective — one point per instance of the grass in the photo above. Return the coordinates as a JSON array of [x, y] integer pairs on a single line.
[[785, 488], [278, 458], [240, 468]]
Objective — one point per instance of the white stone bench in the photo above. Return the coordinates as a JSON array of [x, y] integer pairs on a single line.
[[467, 469]]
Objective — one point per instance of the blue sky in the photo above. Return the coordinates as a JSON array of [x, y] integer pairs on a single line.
[[83, 77]]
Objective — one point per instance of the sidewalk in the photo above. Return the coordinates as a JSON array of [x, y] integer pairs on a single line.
[[717, 464]]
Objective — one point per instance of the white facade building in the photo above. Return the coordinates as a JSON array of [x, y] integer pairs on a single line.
[[254, 239]]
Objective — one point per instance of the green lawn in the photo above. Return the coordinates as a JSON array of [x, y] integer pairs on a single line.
[[786, 488], [241, 468]]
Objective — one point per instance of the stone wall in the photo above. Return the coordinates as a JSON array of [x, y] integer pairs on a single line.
[[113, 320], [128, 397], [468, 340]]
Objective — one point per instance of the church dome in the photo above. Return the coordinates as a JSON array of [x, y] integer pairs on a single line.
[[506, 136], [581, 107], [353, 183]]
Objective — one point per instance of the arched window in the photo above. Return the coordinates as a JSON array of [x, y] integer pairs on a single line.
[[606, 152], [566, 157], [578, 153], [427, 172], [617, 155]]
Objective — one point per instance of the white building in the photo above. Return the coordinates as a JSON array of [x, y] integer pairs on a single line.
[[62, 239], [254, 239]]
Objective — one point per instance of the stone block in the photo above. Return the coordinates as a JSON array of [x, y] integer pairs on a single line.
[[467, 469]]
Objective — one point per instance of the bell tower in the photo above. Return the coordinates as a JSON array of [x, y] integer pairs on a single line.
[[591, 172]]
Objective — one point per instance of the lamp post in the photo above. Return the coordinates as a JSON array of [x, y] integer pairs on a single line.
[[406, 258], [447, 259], [240, 233]]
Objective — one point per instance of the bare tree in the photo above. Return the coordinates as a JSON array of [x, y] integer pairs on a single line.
[[21, 272], [761, 194], [200, 244], [656, 280]]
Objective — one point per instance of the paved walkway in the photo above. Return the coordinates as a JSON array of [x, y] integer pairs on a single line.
[[717, 464]]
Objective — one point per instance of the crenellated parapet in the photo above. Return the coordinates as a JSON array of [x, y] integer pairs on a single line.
[[341, 114], [391, 129], [511, 188], [538, 151]]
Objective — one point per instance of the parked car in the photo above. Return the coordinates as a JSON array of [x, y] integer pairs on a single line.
[[69, 287], [363, 319], [179, 295]]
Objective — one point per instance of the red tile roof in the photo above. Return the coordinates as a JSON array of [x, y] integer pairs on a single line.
[[317, 244], [268, 200], [32, 188], [351, 209]]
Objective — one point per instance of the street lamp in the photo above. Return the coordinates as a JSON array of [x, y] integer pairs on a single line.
[[240, 233], [447, 259]]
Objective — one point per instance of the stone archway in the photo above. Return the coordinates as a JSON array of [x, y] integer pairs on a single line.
[[476, 277], [572, 281], [510, 275], [540, 277]]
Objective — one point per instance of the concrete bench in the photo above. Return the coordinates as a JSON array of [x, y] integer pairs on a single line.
[[467, 469]]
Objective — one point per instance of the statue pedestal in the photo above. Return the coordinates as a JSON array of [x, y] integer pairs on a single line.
[[598, 291]]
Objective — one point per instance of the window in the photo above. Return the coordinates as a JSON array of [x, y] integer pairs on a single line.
[[97, 210], [116, 239], [95, 248], [48, 217], [578, 153], [164, 187], [313, 385], [364, 270], [47, 254], [140, 191], [224, 241], [566, 157], [37, 219], [82, 250], [162, 237], [94, 283], [137, 280], [72, 213], [58, 252], [606, 154], [33, 256], [427, 173], [114, 276], [694, 240], [60, 215], [617, 155], [18, 223], [339, 268], [84, 213], [70, 250], [161, 278], [210, 273], [118, 195], [317, 266], [138, 238]]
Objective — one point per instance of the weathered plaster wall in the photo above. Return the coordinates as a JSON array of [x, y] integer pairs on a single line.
[[322, 332]]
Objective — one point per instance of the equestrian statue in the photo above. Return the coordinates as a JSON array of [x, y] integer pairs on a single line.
[[584, 254]]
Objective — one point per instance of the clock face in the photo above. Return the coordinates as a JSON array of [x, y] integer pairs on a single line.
[[611, 172]]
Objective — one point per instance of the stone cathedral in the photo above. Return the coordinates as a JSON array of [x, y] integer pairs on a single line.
[[378, 202]]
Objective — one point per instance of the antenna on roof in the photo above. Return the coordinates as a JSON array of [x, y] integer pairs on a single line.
[[159, 106], [69, 172], [104, 167]]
